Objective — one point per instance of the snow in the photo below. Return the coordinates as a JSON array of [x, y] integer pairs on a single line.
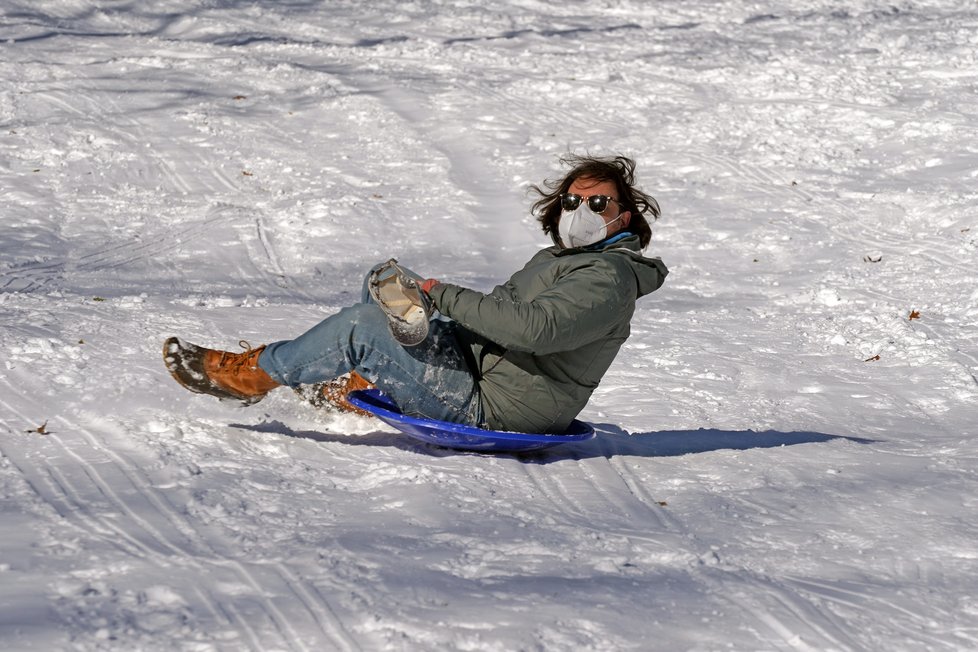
[[786, 456]]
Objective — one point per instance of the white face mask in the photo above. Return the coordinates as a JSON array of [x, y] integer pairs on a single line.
[[582, 227]]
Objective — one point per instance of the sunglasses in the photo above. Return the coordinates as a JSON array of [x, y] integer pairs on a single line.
[[597, 203]]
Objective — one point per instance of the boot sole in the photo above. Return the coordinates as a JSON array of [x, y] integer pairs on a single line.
[[405, 305]]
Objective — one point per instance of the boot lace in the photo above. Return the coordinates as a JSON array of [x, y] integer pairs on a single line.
[[235, 363]]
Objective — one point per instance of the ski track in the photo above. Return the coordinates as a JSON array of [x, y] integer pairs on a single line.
[[169, 158], [784, 614], [132, 132], [907, 620], [593, 488], [155, 246], [279, 276], [801, 619], [158, 545], [882, 236], [794, 620], [33, 279]]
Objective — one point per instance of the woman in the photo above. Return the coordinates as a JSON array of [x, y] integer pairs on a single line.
[[526, 357]]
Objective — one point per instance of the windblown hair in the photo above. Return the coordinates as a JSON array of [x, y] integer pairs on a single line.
[[619, 170]]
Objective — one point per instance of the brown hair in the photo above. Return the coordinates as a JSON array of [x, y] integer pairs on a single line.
[[619, 170]]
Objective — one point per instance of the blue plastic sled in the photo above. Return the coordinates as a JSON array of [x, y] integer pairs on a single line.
[[454, 435]]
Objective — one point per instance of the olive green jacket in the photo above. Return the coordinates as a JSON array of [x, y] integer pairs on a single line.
[[541, 342]]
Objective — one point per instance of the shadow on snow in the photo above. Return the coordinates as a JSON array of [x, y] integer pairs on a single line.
[[611, 441]]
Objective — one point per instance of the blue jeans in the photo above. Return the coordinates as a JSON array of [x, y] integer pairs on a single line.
[[431, 380]]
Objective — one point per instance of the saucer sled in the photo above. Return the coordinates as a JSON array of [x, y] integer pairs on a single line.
[[462, 437]]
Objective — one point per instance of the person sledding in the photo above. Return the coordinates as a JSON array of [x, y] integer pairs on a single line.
[[525, 357]]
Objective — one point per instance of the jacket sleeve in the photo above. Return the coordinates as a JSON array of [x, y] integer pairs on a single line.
[[576, 309]]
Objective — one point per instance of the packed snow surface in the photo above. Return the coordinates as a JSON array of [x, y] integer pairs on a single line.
[[787, 455]]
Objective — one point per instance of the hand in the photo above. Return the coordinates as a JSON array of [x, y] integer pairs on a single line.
[[428, 284]]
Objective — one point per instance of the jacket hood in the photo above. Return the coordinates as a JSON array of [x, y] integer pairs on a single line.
[[649, 272]]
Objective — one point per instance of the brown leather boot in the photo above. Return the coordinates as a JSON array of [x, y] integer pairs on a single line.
[[222, 374], [332, 394]]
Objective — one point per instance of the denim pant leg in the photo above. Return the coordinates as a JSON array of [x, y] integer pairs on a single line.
[[431, 379]]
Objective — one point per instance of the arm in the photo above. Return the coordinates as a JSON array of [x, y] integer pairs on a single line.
[[576, 309]]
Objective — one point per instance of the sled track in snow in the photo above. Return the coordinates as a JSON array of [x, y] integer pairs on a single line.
[[156, 533], [604, 511], [183, 168], [74, 505], [262, 258], [266, 252], [798, 623], [796, 610], [884, 235], [36, 277], [203, 177], [788, 619], [904, 618], [171, 517]]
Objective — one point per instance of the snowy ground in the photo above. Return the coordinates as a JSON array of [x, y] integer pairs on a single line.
[[787, 457]]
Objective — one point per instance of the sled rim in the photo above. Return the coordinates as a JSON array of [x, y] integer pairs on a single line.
[[460, 436]]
